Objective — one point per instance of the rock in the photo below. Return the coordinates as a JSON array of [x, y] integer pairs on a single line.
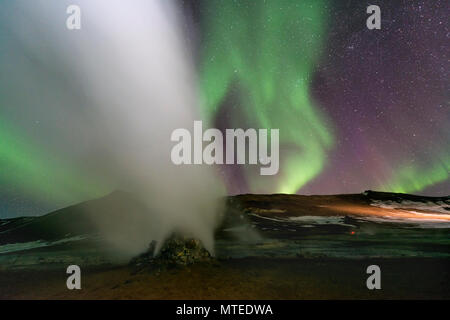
[[177, 251]]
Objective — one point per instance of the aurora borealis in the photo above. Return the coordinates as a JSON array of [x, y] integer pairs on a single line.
[[42, 176], [357, 109], [269, 51]]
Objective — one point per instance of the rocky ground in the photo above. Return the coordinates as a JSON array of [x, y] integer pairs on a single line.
[[269, 247], [177, 252], [249, 278]]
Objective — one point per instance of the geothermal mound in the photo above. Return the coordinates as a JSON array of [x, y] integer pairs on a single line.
[[176, 252]]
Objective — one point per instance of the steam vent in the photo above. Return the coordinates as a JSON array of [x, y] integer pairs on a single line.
[[176, 252]]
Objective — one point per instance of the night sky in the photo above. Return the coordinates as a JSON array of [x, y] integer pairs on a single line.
[[357, 109]]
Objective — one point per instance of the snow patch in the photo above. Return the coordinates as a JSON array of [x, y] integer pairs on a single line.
[[438, 206], [12, 247]]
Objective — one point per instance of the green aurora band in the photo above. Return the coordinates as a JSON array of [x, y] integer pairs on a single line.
[[269, 50], [41, 174], [412, 178]]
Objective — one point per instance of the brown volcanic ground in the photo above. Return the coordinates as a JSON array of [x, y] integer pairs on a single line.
[[242, 279], [286, 205], [426, 275]]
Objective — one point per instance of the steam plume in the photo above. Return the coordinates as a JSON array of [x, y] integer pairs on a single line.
[[101, 102]]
